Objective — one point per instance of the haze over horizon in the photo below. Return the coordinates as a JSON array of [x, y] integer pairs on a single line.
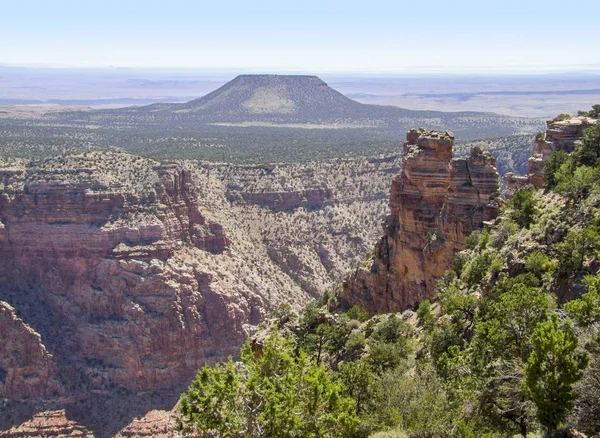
[[266, 36]]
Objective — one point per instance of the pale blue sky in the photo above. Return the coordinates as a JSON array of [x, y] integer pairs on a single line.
[[316, 36]]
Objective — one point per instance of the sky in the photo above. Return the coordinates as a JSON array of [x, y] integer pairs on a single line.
[[368, 36]]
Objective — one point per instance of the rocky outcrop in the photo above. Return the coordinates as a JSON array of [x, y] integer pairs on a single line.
[[92, 265], [515, 182], [57, 423], [315, 219], [48, 424], [561, 135], [435, 202], [157, 424]]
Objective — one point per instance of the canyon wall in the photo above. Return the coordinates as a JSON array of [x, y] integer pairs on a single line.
[[436, 201], [27, 369], [100, 273]]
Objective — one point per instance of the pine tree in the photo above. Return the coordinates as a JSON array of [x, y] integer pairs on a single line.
[[554, 366]]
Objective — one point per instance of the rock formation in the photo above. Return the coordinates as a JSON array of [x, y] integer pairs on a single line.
[[561, 135], [112, 279], [48, 424], [97, 262], [435, 202], [287, 201], [157, 424]]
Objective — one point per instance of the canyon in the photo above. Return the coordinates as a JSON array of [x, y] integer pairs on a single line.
[[122, 275]]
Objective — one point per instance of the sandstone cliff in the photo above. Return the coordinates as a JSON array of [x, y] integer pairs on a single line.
[[435, 202], [115, 276], [49, 424]]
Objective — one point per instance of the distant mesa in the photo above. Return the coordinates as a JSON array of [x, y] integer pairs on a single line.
[[298, 97], [288, 101]]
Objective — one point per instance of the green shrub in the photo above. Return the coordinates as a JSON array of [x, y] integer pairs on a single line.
[[426, 317], [279, 394], [576, 248], [586, 310], [522, 207], [589, 151], [388, 344], [579, 184], [500, 235], [475, 271], [537, 263], [472, 239], [594, 112], [554, 366], [421, 404], [357, 313], [354, 347], [478, 239]]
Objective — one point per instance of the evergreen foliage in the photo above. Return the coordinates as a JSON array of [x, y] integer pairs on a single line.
[[589, 151], [523, 206], [594, 112], [586, 310], [552, 369], [274, 393], [552, 166]]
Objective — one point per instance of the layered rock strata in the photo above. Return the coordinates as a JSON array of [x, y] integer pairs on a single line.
[[94, 258], [157, 424], [113, 279], [435, 202], [287, 201], [27, 369]]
